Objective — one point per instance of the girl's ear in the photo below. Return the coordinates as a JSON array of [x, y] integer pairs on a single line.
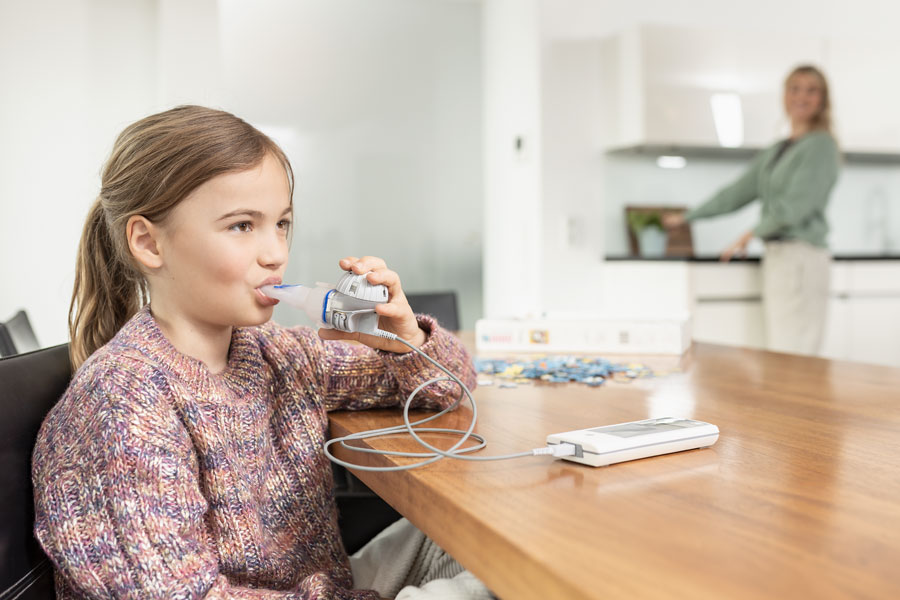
[[142, 236]]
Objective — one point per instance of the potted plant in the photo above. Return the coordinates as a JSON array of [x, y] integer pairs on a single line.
[[649, 232]]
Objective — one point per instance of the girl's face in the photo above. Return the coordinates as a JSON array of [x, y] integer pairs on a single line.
[[803, 97], [220, 244]]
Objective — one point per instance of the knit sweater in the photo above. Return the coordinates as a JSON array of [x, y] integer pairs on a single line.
[[154, 478], [793, 190]]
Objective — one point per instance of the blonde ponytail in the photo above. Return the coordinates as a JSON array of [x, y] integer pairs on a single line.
[[155, 164]]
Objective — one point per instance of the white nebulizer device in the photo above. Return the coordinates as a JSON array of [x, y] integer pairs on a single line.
[[348, 306]]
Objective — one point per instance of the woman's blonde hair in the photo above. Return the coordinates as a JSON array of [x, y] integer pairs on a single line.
[[822, 120], [155, 164]]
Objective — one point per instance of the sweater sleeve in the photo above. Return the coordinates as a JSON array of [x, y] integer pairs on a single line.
[[807, 189], [732, 197], [118, 504], [356, 377]]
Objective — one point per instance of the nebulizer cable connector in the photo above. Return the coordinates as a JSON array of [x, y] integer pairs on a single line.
[[557, 450]]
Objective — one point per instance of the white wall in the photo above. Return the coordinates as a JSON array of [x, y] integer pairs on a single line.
[[72, 74], [377, 103], [513, 245], [572, 227]]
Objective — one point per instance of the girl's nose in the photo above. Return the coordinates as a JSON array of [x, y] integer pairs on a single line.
[[273, 250]]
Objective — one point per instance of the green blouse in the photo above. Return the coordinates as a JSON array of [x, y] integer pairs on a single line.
[[794, 191]]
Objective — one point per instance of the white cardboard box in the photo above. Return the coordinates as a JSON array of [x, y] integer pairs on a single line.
[[584, 335]]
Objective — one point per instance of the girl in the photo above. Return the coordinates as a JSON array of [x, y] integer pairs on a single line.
[[793, 179], [184, 460]]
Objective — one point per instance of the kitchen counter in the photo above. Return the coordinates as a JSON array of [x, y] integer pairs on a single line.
[[724, 300]]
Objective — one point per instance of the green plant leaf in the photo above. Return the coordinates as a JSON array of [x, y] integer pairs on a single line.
[[638, 221]]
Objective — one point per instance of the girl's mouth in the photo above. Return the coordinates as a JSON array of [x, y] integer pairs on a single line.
[[265, 300]]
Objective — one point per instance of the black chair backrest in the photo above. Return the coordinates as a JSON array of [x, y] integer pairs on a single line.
[[30, 384], [17, 336], [7, 347], [440, 305]]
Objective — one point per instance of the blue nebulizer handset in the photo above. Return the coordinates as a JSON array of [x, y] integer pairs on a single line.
[[348, 306]]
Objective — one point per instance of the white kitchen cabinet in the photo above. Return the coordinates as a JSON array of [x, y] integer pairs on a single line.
[[864, 316], [732, 280], [836, 342], [659, 81], [865, 101], [727, 306], [875, 336], [839, 331], [725, 303], [729, 322]]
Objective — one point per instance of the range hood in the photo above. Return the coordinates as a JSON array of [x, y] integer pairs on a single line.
[[712, 93], [654, 151]]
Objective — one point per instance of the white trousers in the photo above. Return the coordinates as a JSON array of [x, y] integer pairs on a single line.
[[795, 279], [402, 563]]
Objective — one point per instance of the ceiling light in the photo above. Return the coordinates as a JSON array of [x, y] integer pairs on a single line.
[[671, 162]]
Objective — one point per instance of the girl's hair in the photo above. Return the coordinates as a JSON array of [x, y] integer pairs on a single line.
[[822, 120], [155, 164]]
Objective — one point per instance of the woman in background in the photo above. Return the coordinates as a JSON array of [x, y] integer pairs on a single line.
[[793, 180]]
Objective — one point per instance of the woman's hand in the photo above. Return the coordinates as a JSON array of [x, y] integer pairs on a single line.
[[739, 248], [673, 220], [395, 315]]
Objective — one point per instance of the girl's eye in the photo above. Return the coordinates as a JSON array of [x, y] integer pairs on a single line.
[[243, 227], [284, 224]]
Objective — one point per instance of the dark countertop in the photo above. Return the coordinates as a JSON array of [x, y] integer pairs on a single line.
[[749, 259]]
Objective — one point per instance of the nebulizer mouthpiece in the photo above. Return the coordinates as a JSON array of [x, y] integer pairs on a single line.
[[348, 306], [308, 299]]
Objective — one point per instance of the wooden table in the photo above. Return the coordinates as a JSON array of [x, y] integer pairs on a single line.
[[799, 498]]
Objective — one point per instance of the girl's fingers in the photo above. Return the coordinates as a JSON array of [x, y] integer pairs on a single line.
[[377, 270], [364, 264], [392, 310], [346, 263], [334, 334], [380, 274], [387, 278]]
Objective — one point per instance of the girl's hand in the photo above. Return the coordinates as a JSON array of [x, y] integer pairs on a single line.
[[739, 248], [395, 315]]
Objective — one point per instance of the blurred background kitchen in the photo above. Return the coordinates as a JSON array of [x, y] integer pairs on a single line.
[[488, 147]]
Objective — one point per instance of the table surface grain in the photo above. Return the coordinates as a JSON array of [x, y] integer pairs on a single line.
[[800, 497]]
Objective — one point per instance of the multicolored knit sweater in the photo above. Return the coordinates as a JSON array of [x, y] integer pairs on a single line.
[[154, 478]]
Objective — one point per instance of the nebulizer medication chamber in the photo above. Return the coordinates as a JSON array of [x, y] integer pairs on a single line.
[[348, 306]]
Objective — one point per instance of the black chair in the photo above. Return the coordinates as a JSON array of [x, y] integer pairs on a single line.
[[17, 335], [440, 305], [362, 514], [30, 384]]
